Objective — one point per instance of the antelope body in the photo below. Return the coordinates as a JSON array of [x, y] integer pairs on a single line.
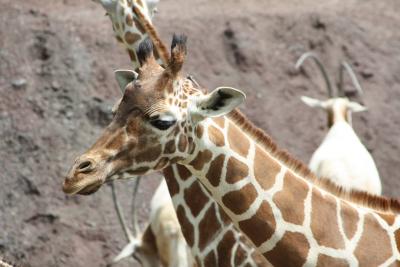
[[342, 157]]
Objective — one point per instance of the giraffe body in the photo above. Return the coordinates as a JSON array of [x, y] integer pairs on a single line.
[[293, 218], [212, 250]]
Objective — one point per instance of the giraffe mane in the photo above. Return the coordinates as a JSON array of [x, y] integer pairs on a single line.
[[375, 202]]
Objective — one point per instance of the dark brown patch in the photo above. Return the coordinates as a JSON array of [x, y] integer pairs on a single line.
[[208, 227], [139, 171], [237, 141], [374, 247], [202, 158], [291, 251], [173, 186], [397, 238], [216, 136], [389, 218], [220, 121], [240, 201], [225, 249], [182, 143], [290, 200], [183, 172], [236, 170], [139, 26], [214, 172], [149, 155], [132, 55], [129, 20], [350, 218], [240, 255], [199, 131], [119, 39], [186, 225], [265, 169], [324, 221], [210, 259], [195, 198], [132, 38], [327, 261], [170, 147], [261, 226]]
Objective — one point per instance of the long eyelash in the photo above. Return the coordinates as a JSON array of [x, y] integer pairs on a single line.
[[159, 106]]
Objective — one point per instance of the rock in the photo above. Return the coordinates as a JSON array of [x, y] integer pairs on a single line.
[[19, 83]]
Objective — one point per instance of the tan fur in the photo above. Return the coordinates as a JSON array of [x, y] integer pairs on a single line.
[[377, 203]]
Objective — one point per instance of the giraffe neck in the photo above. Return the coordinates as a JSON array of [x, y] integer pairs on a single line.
[[127, 27], [290, 220], [213, 239]]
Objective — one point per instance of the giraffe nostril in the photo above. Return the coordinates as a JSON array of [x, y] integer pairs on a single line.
[[85, 166]]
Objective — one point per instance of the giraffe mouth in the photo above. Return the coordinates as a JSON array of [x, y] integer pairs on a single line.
[[83, 187]]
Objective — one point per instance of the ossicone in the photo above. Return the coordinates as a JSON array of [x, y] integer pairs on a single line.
[[178, 53]]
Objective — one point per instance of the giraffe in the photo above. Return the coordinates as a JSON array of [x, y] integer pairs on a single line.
[[294, 219], [128, 28], [244, 253]]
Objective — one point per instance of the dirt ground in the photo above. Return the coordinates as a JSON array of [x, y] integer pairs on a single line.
[[57, 88]]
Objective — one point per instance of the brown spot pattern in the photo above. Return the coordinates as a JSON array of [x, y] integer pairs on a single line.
[[374, 246], [202, 158], [265, 169], [199, 131], [220, 121], [187, 227], [237, 141], [328, 261], [129, 20], [195, 198], [261, 226], [216, 136], [225, 248], [240, 201], [183, 172], [208, 227], [214, 172], [236, 170], [173, 186], [132, 55], [182, 143], [294, 247], [150, 154], [131, 38], [240, 256], [210, 259], [290, 200], [324, 222], [139, 26], [170, 147], [350, 218]]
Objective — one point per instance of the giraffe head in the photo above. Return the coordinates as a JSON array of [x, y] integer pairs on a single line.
[[154, 123]]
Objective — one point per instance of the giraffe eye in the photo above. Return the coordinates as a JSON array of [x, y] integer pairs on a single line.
[[162, 124]]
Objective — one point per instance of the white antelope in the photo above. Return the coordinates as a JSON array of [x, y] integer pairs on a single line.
[[342, 157], [162, 243]]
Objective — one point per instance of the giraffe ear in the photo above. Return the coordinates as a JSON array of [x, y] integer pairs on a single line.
[[217, 103], [124, 77]]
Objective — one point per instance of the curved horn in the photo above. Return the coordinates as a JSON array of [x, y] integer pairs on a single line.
[[344, 66], [151, 31], [306, 55]]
